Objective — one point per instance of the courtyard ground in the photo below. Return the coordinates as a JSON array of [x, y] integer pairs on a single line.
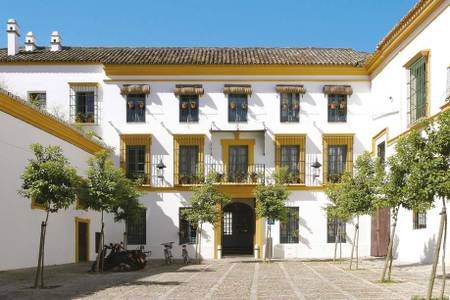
[[231, 278]]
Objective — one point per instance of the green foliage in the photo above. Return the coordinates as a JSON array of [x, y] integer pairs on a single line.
[[107, 189], [49, 179], [270, 198], [205, 202]]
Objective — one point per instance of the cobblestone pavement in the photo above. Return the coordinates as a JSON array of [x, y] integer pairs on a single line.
[[232, 278]]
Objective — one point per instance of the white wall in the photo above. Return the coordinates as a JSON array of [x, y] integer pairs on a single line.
[[19, 224]]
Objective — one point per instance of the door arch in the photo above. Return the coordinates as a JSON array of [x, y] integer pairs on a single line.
[[238, 227]]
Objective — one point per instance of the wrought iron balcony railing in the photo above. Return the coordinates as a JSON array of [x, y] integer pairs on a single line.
[[237, 173]]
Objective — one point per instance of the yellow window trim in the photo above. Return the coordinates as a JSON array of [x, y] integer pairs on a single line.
[[226, 143], [88, 222], [73, 84], [291, 139], [330, 139], [187, 140], [136, 140], [375, 138]]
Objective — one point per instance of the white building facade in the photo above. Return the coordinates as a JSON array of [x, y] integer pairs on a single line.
[[242, 112]]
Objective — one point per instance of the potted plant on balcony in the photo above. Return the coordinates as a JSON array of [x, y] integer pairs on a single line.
[[79, 118], [184, 105], [130, 104], [141, 104], [342, 105], [184, 179], [219, 177], [254, 177], [233, 105], [193, 105], [296, 105], [333, 105], [240, 177], [244, 105], [90, 118]]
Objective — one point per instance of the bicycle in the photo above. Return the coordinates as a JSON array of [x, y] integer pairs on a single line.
[[168, 257], [185, 254]]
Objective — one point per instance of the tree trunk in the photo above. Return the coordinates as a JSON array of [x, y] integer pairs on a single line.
[[340, 242], [378, 231], [336, 232], [353, 246], [200, 244], [444, 243], [38, 268], [436, 254], [43, 250], [357, 242], [100, 253], [388, 259], [268, 244]]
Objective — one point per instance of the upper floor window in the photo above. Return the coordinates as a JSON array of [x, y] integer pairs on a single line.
[[417, 86], [83, 102], [38, 99], [237, 101], [137, 228], [136, 108], [338, 151], [188, 158], [337, 108], [289, 229], [290, 152], [189, 108], [381, 152], [419, 219], [188, 231], [237, 108], [290, 107], [337, 101], [135, 156]]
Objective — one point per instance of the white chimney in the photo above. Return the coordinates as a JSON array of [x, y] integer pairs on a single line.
[[30, 42], [12, 28], [55, 41]]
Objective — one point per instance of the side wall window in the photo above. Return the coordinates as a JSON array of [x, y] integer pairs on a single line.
[[417, 90], [136, 108], [38, 99], [335, 229], [188, 108], [188, 231], [419, 219], [337, 108], [289, 107], [137, 228], [237, 108]]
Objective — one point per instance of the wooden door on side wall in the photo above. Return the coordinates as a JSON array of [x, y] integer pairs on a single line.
[[82, 241], [380, 232]]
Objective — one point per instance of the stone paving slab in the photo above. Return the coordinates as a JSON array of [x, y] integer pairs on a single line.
[[231, 278]]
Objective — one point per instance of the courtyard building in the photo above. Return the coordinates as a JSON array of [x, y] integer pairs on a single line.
[[173, 115]]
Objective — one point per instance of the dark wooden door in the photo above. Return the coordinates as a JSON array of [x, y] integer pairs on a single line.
[[237, 229], [82, 241], [380, 232]]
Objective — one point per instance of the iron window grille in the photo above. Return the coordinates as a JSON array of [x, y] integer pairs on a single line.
[[135, 156], [338, 157], [337, 108], [189, 108], [188, 231], [227, 223], [188, 159], [336, 230], [290, 159], [289, 107], [137, 228], [136, 108], [289, 229], [417, 90], [135, 161], [84, 104], [419, 219], [237, 107], [237, 163], [381, 152], [38, 99]]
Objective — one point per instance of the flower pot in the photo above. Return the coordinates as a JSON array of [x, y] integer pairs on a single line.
[[342, 105], [185, 179], [233, 105], [130, 104], [296, 106], [254, 177], [141, 105], [193, 105], [90, 118], [79, 118], [333, 105], [284, 106], [244, 105], [219, 177], [184, 105]]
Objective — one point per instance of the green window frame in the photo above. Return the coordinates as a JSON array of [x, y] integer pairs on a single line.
[[135, 161], [417, 91], [289, 107], [332, 230], [187, 230], [137, 228], [419, 219]]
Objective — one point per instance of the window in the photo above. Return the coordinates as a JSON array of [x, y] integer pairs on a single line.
[[136, 228], [136, 108], [228, 223], [417, 87], [135, 156], [381, 152], [38, 99], [189, 108], [237, 163], [237, 108], [419, 219], [337, 108], [335, 228], [289, 107], [289, 229], [188, 231], [188, 158], [447, 95], [136, 161], [338, 151], [290, 153], [188, 166], [83, 102]]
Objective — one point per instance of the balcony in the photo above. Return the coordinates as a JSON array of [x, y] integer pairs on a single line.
[[237, 174]]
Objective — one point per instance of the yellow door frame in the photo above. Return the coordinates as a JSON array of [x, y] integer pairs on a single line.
[[87, 222]]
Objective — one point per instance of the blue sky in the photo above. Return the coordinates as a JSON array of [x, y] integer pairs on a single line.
[[357, 24]]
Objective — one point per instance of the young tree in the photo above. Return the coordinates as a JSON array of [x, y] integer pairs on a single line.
[[106, 190], [270, 199], [206, 204], [50, 182]]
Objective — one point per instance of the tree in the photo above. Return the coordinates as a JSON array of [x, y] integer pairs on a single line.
[[270, 200], [50, 182], [397, 191], [206, 204], [108, 191]]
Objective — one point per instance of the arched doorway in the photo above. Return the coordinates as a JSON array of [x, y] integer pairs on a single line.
[[238, 226]]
